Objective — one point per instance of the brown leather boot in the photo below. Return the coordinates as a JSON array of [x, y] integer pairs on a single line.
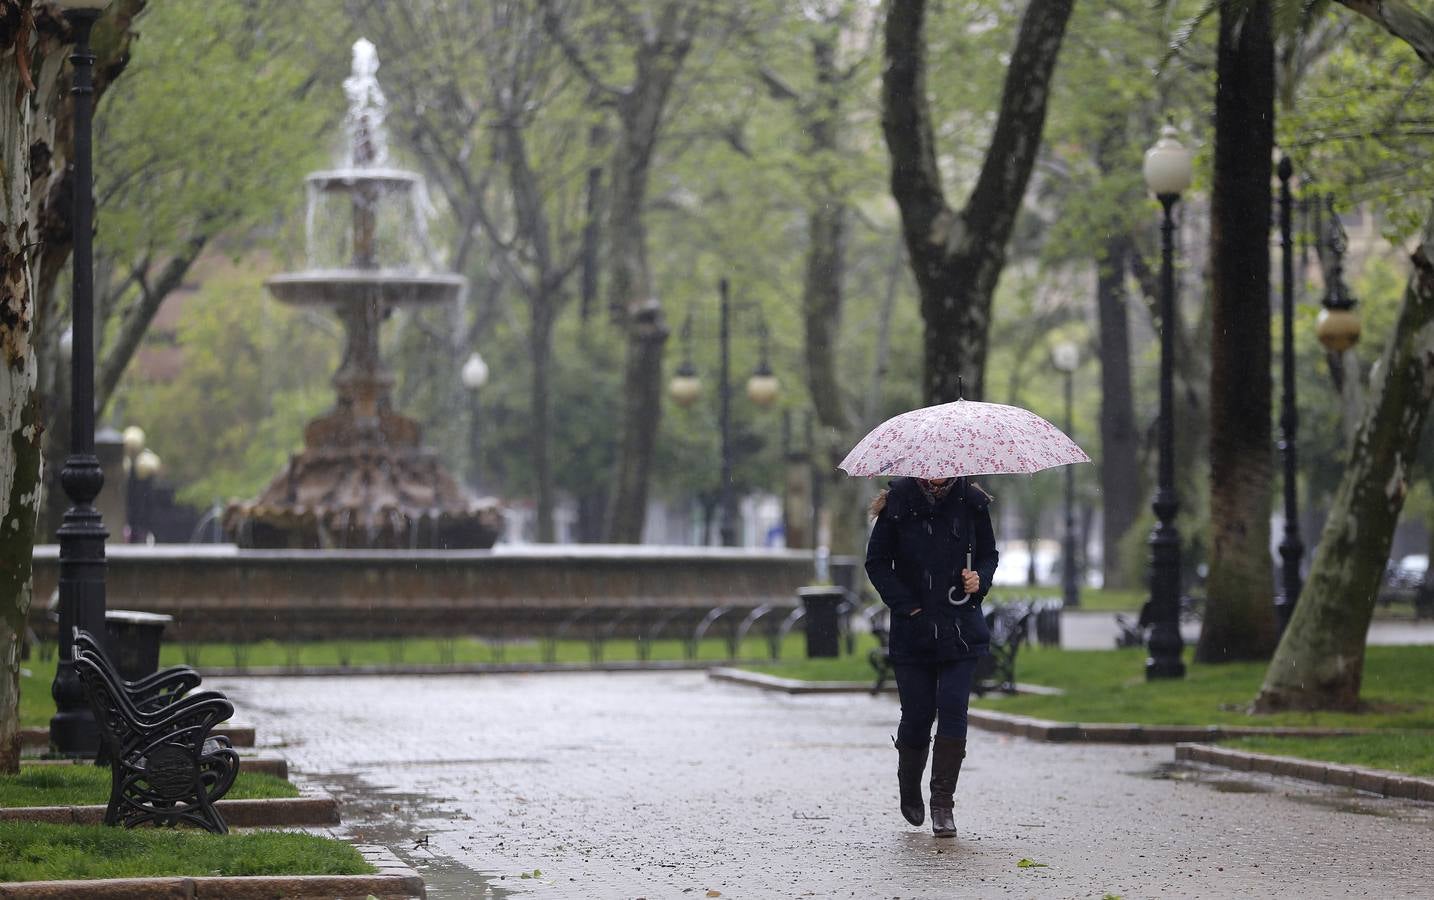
[[945, 770], [911, 763]]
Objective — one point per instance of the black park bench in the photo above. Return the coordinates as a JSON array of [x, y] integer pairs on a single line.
[[166, 767], [1009, 624]]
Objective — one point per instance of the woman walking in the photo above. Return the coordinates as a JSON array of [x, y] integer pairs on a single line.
[[931, 556]]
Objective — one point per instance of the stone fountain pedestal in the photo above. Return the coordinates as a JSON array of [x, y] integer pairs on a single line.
[[364, 480]]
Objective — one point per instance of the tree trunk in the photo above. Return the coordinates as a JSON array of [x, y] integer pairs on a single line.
[[1320, 660], [631, 299], [957, 257], [540, 347], [1239, 621], [1119, 441], [826, 246], [24, 57]]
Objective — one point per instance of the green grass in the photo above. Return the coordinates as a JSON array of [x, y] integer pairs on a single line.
[[35, 852], [36, 705], [1110, 686], [86, 785], [1091, 599], [1409, 752]]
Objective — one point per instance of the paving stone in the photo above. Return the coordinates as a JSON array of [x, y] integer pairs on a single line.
[[1339, 776], [669, 785]]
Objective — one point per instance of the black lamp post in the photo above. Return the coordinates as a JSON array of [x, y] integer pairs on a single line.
[[474, 376], [82, 534], [762, 389], [1167, 173], [141, 466], [1065, 356], [1292, 549]]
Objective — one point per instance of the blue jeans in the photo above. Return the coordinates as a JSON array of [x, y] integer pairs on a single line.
[[933, 692]]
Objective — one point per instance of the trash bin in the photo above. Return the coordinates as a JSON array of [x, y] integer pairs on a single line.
[[133, 642], [823, 625]]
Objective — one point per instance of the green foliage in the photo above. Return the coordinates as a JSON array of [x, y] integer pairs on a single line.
[[210, 128], [253, 373], [31, 851], [87, 785]]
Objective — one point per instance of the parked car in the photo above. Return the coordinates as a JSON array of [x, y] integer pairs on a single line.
[[1403, 579]]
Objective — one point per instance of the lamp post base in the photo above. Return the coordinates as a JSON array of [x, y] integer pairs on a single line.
[[74, 732]]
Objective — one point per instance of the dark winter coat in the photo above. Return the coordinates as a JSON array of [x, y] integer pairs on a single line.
[[914, 559]]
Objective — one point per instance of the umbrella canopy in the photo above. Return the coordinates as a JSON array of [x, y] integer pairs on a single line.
[[962, 438]]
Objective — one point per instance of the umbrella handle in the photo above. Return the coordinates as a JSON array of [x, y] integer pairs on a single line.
[[951, 593]]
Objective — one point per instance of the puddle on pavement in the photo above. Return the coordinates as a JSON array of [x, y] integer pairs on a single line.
[[1174, 771], [404, 823], [1352, 803], [1226, 786], [1332, 799]]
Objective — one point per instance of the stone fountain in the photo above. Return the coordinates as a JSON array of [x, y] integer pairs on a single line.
[[364, 480]]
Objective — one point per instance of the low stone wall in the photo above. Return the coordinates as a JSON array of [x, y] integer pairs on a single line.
[[218, 592]]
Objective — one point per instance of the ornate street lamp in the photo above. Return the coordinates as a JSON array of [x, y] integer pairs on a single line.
[[1065, 356], [141, 466], [1291, 547], [1338, 325], [1168, 172], [474, 376], [82, 534], [762, 389]]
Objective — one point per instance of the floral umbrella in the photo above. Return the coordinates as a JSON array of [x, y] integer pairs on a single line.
[[962, 438]]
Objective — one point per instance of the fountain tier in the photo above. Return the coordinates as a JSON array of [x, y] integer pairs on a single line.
[[363, 479]]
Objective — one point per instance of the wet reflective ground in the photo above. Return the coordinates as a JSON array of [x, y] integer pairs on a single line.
[[666, 785]]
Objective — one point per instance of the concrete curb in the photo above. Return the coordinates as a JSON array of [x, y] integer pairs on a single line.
[[253, 887], [1374, 781], [276, 766], [798, 686], [1041, 729], [459, 669], [273, 813], [1125, 733], [39, 738]]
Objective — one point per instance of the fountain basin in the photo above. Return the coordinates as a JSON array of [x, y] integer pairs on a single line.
[[346, 179], [335, 287], [225, 593]]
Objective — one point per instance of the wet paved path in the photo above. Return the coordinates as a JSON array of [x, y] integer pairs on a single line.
[[666, 785]]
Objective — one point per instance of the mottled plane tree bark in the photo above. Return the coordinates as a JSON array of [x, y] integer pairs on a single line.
[[1319, 663], [957, 255], [1239, 621], [32, 51]]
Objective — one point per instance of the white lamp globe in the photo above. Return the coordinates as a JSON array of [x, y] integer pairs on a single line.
[[1168, 167], [475, 372], [685, 388], [1065, 356], [133, 441], [147, 464], [762, 388]]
